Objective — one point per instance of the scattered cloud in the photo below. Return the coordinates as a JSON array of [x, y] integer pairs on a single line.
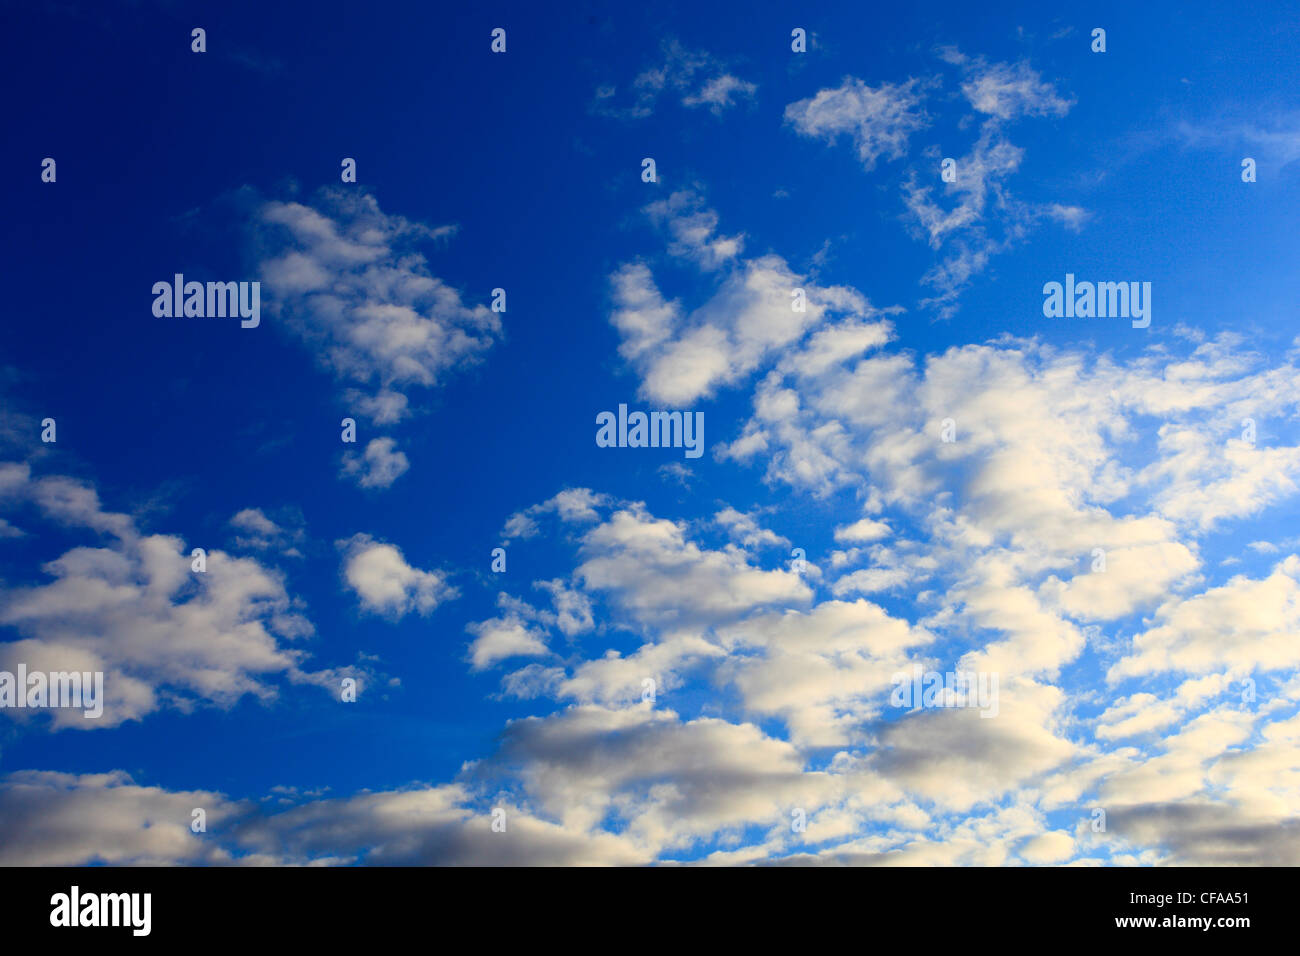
[[378, 466], [694, 77], [386, 584], [350, 281]]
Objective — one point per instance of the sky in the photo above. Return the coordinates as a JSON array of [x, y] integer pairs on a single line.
[[908, 465]]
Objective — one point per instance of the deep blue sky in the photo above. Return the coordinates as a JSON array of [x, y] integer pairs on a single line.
[[164, 155]]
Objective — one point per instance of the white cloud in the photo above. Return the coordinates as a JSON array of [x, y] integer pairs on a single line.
[[501, 638], [163, 634], [1054, 847], [695, 77], [745, 530], [717, 93], [257, 532], [348, 279], [63, 820], [58, 819], [1006, 91], [825, 672], [1246, 624], [879, 120], [573, 613], [386, 584], [668, 781], [616, 679], [957, 758], [1272, 140], [694, 229], [647, 567], [748, 318], [572, 505], [863, 531], [378, 466]]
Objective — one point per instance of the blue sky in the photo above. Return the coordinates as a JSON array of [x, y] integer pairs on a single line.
[[1121, 689]]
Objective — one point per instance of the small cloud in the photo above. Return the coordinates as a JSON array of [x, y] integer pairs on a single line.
[[1072, 217], [1006, 91], [501, 638], [717, 93], [352, 283], [573, 505], [676, 471], [257, 532], [379, 466], [387, 407], [880, 120], [744, 529], [696, 76], [863, 532], [386, 584]]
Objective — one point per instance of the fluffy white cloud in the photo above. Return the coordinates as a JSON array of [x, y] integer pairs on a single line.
[[670, 782], [386, 584], [1006, 90], [863, 531], [65, 820], [257, 532], [1053, 847], [976, 217], [1246, 624], [683, 357], [719, 92], [745, 530], [646, 566], [957, 758], [164, 635], [59, 819], [618, 679], [501, 638], [349, 280], [825, 672], [880, 120]]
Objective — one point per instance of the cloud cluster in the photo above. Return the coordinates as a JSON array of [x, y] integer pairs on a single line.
[[350, 281], [974, 216], [695, 77], [683, 356], [879, 120], [386, 584], [132, 605]]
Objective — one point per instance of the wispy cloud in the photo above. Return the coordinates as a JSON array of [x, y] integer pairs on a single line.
[[349, 280], [879, 120], [694, 77]]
